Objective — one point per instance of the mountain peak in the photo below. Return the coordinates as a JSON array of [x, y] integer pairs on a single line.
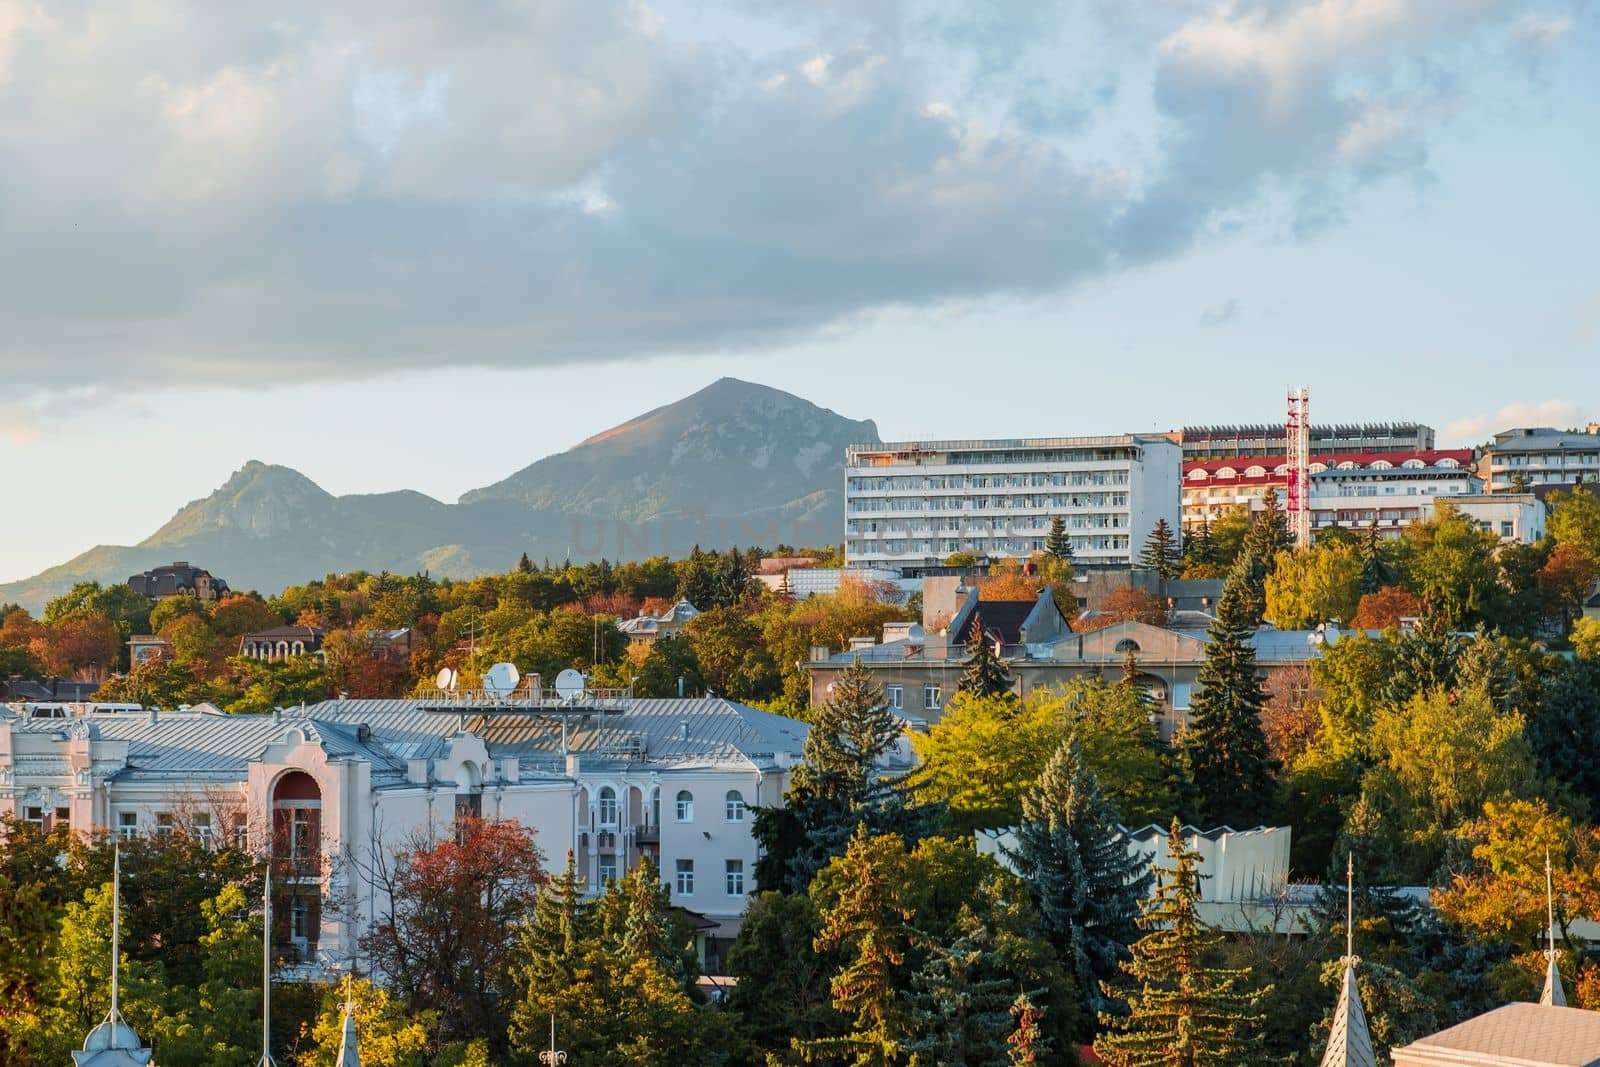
[[259, 499], [729, 448]]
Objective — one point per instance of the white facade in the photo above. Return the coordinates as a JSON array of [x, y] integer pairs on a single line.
[[1534, 456], [915, 503], [1509, 516], [345, 783]]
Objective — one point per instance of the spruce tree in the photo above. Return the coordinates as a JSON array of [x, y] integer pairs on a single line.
[[1199, 547], [524, 565], [1057, 544], [1073, 856], [1375, 570], [1229, 757], [985, 674], [1268, 536], [961, 997], [849, 734], [1161, 552], [1182, 1013]]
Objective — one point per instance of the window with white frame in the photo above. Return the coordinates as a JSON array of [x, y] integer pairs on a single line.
[[733, 806], [35, 816], [685, 806], [202, 829], [896, 695], [127, 825], [608, 869], [164, 823], [734, 871], [685, 878], [932, 698], [608, 806]]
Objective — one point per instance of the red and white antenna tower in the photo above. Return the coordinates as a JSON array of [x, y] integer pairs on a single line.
[[1297, 508]]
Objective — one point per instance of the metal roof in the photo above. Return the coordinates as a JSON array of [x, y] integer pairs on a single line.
[[1516, 1035]]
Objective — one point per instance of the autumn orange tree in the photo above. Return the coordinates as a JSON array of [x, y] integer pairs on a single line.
[[444, 937]]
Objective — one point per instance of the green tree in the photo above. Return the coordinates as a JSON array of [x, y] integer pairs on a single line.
[[1082, 878], [1451, 565], [848, 736], [1161, 552], [1182, 1012], [670, 658], [1574, 519], [1057, 544], [731, 654], [1376, 570], [960, 1005], [985, 674], [1228, 752], [783, 988]]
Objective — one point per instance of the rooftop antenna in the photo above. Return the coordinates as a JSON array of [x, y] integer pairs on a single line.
[[1553, 993], [569, 685], [1349, 1040], [501, 680]]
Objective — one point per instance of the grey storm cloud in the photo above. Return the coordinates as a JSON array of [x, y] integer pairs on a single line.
[[233, 193]]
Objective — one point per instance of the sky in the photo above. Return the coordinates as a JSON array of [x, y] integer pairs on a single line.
[[422, 245]]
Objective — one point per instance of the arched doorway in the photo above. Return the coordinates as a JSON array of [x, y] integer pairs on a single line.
[[297, 859]]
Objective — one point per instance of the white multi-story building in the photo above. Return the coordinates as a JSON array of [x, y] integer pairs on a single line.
[[1526, 457], [1395, 489], [912, 504], [337, 786]]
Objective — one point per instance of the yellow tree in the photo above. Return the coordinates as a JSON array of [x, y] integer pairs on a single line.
[[1314, 585]]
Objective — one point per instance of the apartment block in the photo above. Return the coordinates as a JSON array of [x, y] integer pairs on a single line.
[[912, 504], [1521, 459]]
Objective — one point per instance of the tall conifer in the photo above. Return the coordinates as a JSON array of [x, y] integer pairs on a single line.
[[1056, 543], [985, 674], [1084, 882], [1229, 757], [1161, 552], [1182, 1013]]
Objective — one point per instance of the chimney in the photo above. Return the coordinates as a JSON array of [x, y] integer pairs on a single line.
[[683, 729], [152, 713]]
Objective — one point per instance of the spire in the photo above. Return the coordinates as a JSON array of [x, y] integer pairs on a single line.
[[349, 1043], [1552, 973], [113, 1043], [266, 968], [1349, 1042]]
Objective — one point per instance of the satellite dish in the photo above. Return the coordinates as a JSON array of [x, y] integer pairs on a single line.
[[445, 679], [569, 684], [501, 679]]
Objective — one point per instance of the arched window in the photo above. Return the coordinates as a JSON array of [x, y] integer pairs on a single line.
[[685, 806], [1282, 468], [1349, 465], [1198, 475], [1382, 465], [608, 806], [1317, 468], [1127, 644], [733, 806], [655, 806], [1448, 463], [1227, 472], [1255, 472], [1413, 464]]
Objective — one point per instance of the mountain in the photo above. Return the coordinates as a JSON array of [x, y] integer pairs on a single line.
[[735, 463]]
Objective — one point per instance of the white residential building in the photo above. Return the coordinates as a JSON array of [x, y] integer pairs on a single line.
[[912, 504], [1526, 457], [331, 788]]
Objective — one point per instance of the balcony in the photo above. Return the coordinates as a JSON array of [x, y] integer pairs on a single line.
[[647, 835]]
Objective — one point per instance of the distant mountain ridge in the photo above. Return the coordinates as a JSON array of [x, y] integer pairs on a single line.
[[735, 463]]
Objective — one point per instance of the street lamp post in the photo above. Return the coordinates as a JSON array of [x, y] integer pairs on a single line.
[[555, 1056]]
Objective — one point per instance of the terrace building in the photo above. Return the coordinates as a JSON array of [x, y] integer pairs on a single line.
[[912, 504], [1523, 459], [329, 790]]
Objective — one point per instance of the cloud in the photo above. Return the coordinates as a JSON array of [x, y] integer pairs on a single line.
[[1476, 429], [247, 194], [1221, 314]]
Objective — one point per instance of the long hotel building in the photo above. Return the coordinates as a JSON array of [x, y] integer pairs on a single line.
[[911, 504]]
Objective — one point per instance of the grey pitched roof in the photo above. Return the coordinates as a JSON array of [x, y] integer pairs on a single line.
[[1516, 1035]]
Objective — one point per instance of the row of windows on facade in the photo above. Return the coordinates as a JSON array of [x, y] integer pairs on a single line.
[[932, 697], [609, 811], [1357, 490], [1200, 474], [859, 505], [1023, 525], [1019, 547], [1030, 456], [1547, 459]]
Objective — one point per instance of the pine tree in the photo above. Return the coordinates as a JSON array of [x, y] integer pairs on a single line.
[[697, 579], [1057, 544], [870, 926], [985, 674], [849, 734], [732, 579], [1027, 1041], [1375, 570], [1161, 552], [524, 565], [1229, 757], [1182, 1013], [1086, 885], [1268, 536], [960, 1004], [1199, 547]]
